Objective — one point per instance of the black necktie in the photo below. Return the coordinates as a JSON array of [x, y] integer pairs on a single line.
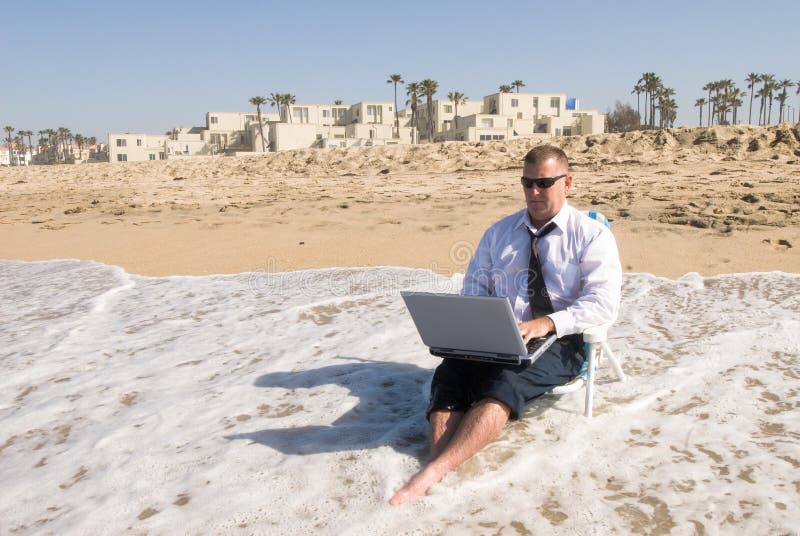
[[537, 291]]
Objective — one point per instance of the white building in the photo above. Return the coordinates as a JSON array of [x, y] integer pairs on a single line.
[[499, 116], [14, 157], [503, 116]]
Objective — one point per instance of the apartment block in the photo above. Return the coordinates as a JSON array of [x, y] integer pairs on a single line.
[[524, 115], [136, 147], [499, 116]]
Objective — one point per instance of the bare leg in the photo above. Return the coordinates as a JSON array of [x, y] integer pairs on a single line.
[[482, 423], [443, 425]]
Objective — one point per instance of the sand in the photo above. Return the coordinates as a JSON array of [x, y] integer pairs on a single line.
[[713, 201]]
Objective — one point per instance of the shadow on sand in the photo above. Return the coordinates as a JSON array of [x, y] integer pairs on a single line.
[[392, 398]]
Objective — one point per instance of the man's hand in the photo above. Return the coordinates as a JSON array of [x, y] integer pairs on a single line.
[[538, 327]]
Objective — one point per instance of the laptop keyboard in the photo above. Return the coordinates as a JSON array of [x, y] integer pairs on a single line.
[[534, 344]]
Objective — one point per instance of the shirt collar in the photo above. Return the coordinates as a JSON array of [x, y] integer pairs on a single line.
[[560, 219]]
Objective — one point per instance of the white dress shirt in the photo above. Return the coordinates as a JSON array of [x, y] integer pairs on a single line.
[[579, 259]]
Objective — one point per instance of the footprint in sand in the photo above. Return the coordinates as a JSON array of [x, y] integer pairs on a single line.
[[779, 244]]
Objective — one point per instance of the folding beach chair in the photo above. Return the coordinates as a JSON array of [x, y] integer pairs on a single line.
[[596, 346]]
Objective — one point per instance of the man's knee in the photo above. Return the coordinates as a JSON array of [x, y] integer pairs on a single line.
[[494, 404]]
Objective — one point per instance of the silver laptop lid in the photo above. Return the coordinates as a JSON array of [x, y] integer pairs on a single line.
[[468, 323]]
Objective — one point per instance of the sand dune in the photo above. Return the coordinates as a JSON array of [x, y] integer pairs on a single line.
[[723, 199]]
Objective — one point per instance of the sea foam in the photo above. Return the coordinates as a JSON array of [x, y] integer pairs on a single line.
[[285, 403]]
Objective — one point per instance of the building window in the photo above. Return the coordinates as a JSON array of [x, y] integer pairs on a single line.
[[485, 137], [338, 136], [249, 118], [319, 136], [567, 131], [498, 137], [162, 156], [300, 114], [558, 132], [536, 102], [374, 113], [138, 143], [324, 113], [447, 125], [514, 103], [448, 109], [510, 123], [214, 120], [487, 122], [122, 143], [122, 157], [555, 102], [519, 115], [152, 156]]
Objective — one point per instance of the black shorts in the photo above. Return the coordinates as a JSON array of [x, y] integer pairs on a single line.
[[458, 384]]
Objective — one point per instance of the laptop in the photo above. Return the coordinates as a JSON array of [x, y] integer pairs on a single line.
[[477, 328]]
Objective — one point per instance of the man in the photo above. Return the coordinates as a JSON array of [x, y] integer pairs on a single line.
[[560, 271]]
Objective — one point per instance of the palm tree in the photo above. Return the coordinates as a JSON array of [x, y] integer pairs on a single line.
[[10, 130], [782, 86], [639, 89], [52, 142], [429, 88], [752, 79], [736, 102], [258, 101], [797, 92], [652, 85], [669, 111], [288, 99], [708, 87], [28, 134], [665, 101], [79, 140], [762, 95], [64, 134], [505, 88], [276, 99], [700, 103], [768, 81], [722, 111], [41, 144], [517, 84], [19, 141], [655, 88], [337, 102], [395, 79], [457, 98], [414, 91]]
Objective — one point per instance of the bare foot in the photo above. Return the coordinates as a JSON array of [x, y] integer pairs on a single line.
[[418, 486]]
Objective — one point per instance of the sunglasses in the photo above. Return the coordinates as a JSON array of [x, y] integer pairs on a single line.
[[544, 182]]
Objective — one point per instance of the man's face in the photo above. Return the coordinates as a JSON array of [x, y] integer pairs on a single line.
[[544, 203]]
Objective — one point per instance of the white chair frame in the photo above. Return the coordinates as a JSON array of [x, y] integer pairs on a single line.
[[596, 338]]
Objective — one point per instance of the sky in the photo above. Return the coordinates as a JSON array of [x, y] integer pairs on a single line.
[[149, 66]]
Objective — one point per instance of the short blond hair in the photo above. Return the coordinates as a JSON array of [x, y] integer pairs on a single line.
[[542, 153]]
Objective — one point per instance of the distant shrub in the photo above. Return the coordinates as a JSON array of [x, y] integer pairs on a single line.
[[622, 118]]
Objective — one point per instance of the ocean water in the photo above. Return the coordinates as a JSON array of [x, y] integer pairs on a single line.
[[293, 402]]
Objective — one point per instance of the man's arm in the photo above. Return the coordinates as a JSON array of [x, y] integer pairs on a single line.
[[478, 278], [601, 286]]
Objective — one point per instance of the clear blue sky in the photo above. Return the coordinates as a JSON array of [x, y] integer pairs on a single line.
[[146, 66]]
